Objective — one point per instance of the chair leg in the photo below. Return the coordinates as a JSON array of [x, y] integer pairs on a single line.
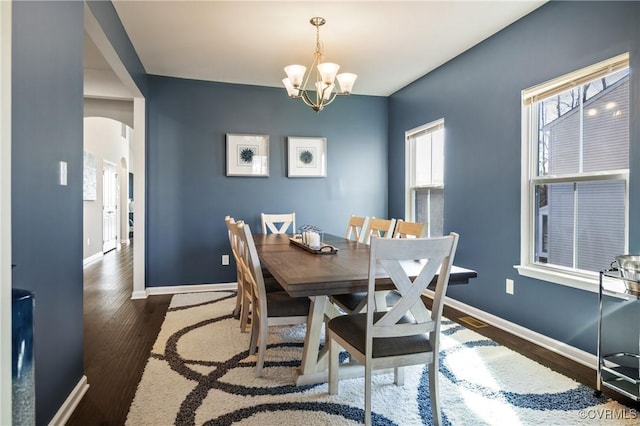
[[434, 393], [244, 312], [398, 375], [236, 310], [334, 351], [367, 394], [239, 299], [262, 342], [255, 323]]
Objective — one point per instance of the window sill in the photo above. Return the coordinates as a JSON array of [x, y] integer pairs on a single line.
[[582, 282]]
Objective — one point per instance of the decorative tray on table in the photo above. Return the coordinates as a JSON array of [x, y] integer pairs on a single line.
[[323, 249]]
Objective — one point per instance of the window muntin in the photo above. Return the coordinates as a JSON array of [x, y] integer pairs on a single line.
[[578, 144], [425, 176]]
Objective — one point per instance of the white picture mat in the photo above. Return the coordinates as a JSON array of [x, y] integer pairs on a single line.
[[247, 155], [89, 178], [307, 157]]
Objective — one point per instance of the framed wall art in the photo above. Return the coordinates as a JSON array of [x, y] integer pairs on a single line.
[[247, 155], [89, 182], [307, 157]]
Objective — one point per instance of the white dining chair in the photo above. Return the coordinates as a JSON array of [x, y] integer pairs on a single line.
[[268, 308], [356, 228], [404, 229], [244, 292], [357, 302], [278, 223], [405, 334], [382, 228]]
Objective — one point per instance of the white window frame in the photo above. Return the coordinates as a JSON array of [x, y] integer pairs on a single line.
[[410, 168], [584, 280]]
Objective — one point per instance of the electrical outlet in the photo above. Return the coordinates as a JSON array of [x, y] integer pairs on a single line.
[[509, 288], [225, 259]]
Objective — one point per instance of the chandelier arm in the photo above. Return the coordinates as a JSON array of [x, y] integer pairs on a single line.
[[311, 68], [306, 99], [321, 95], [331, 99]]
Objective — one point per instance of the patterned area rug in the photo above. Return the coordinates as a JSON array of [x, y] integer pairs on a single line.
[[200, 373]]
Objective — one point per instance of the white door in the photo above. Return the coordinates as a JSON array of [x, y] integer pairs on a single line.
[[109, 207]]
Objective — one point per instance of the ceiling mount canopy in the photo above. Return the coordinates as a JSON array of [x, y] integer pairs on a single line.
[[325, 93]]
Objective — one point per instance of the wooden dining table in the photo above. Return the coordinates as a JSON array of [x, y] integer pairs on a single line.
[[319, 276]]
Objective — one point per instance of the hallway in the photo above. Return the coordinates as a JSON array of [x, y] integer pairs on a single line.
[[118, 336]]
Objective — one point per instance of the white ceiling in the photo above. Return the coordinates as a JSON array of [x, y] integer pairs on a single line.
[[387, 43]]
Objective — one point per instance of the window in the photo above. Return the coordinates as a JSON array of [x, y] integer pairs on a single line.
[[425, 176], [575, 173]]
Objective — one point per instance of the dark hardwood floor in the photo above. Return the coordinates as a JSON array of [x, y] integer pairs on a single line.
[[119, 334]]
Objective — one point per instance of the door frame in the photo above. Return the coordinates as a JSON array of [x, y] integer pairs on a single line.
[[5, 212], [98, 36]]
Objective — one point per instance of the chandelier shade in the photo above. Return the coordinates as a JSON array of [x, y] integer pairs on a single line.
[[295, 74], [326, 73], [346, 80]]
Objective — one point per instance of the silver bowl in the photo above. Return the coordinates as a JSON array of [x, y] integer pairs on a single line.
[[629, 267]]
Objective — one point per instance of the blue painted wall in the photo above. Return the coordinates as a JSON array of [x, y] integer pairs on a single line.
[[478, 95], [110, 22], [47, 89], [189, 194]]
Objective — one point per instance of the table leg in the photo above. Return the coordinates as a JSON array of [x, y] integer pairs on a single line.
[[311, 349], [315, 362]]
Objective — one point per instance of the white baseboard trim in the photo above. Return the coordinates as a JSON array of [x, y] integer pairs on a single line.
[[139, 295], [194, 288], [567, 351], [70, 404], [92, 258]]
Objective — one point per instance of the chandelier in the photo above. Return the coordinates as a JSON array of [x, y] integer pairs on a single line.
[[296, 83]]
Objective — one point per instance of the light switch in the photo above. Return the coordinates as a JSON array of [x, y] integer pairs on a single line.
[[62, 173]]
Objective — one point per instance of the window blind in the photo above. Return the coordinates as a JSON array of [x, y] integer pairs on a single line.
[[574, 79]]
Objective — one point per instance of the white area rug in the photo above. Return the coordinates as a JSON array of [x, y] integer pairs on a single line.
[[200, 373]]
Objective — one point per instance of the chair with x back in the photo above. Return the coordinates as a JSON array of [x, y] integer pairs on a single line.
[[356, 302], [278, 223], [405, 334], [356, 228], [268, 308], [382, 228], [405, 229]]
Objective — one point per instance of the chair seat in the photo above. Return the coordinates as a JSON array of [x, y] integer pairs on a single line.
[[353, 328], [351, 301], [280, 304]]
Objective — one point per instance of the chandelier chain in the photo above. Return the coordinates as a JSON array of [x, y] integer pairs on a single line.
[[317, 23]]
